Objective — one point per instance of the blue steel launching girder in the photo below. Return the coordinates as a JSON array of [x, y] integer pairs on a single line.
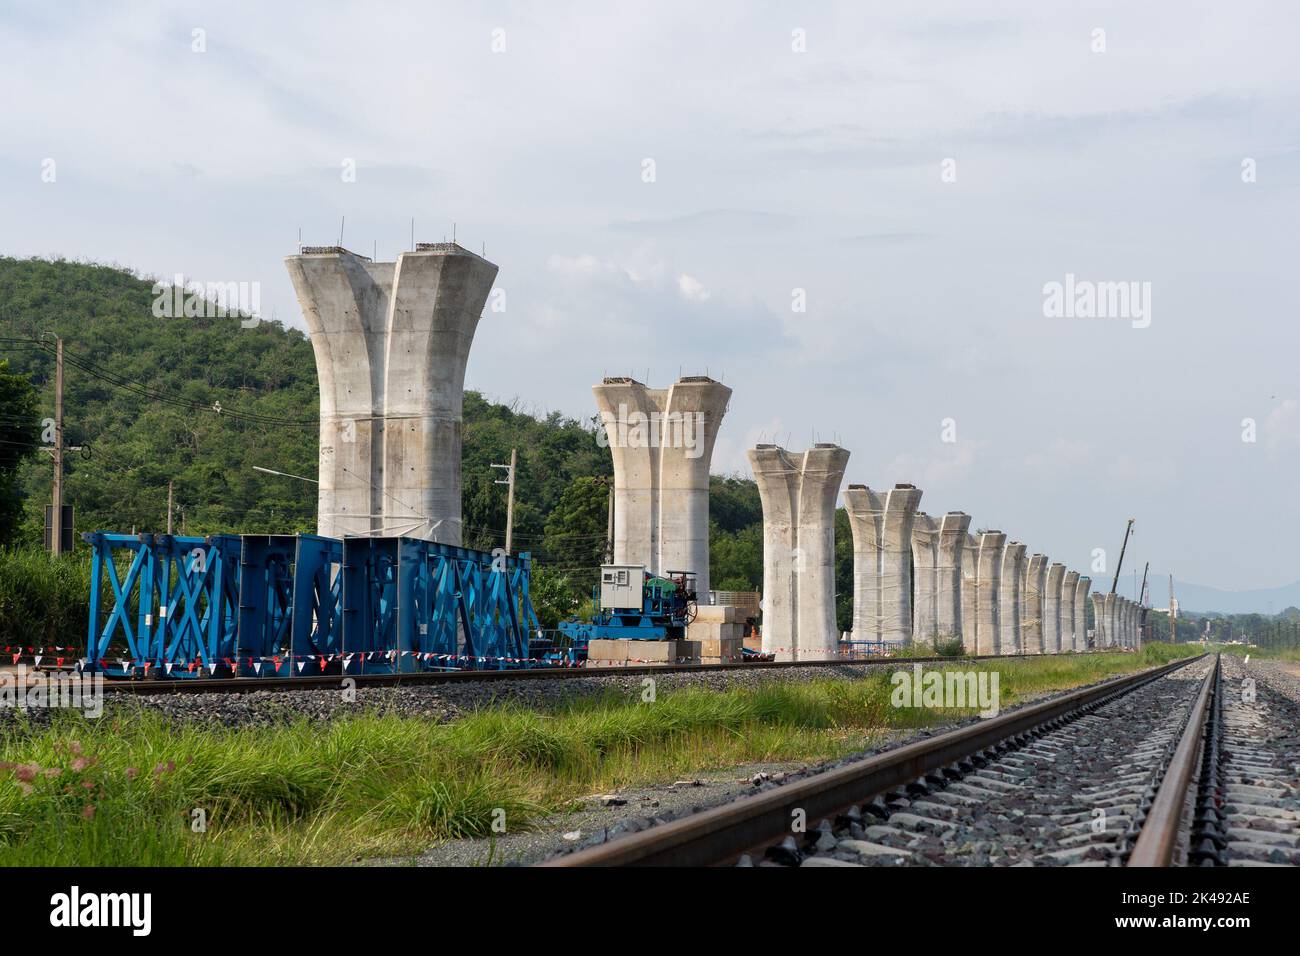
[[263, 605], [182, 593], [115, 636], [411, 605], [289, 608], [198, 587], [369, 605], [317, 604]]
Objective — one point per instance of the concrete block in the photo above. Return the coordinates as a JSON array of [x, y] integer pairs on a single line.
[[608, 650], [708, 630], [717, 614], [728, 647], [725, 649], [652, 651]]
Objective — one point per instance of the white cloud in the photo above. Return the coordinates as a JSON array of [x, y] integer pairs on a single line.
[[692, 289], [769, 165]]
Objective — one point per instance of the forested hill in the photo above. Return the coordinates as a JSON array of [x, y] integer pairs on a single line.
[[141, 393]]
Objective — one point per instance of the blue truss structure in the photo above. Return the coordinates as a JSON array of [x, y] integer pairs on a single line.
[[411, 605], [290, 612], [182, 594], [285, 605]]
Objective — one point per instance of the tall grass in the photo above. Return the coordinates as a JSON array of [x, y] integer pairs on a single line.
[[133, 789], [43, 599]]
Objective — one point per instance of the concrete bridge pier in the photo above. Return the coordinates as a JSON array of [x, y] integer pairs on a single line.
[[1009, 637], [798, 492], [988, 593]]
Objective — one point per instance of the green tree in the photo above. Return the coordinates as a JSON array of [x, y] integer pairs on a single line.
[[576, 529], [844, 572], [736, 558], [734, 503], [19, 434], [553, 597]]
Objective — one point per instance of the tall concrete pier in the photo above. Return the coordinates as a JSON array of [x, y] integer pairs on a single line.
[[1099, 621], [1009, 635], [925, 560], [1081, 613], [970, 560], [1069, 587], [798, 492], [1031, 604], [391, 341], [1052, 609], [988, 590], [948, 589], [661, 441], [1110, 607], [438, 295], [882, 560]]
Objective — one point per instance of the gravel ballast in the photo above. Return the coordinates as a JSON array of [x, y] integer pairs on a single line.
[[437, 702]]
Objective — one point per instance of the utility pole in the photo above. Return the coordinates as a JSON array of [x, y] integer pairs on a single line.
[[1114, 585], [56, 520], [169, 506], [510, 496]]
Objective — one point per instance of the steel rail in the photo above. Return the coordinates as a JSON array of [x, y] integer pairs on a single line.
[[150, 687], [720, 835], [1158, 839]]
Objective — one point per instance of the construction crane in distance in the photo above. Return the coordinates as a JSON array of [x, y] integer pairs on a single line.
[[1114, 585]]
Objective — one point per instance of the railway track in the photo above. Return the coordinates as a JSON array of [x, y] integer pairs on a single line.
[[1169, 766], [1247, 810], [246, 685]]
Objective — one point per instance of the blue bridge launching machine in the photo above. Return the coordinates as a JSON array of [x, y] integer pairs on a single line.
[[284, 605]]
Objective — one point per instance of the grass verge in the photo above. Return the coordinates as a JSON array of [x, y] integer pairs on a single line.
[[139, 791], [1290, 654]]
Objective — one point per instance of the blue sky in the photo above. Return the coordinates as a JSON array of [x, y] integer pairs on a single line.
[[775, 171]]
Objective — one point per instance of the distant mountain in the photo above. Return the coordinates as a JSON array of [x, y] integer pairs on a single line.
[[1202, 599]]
